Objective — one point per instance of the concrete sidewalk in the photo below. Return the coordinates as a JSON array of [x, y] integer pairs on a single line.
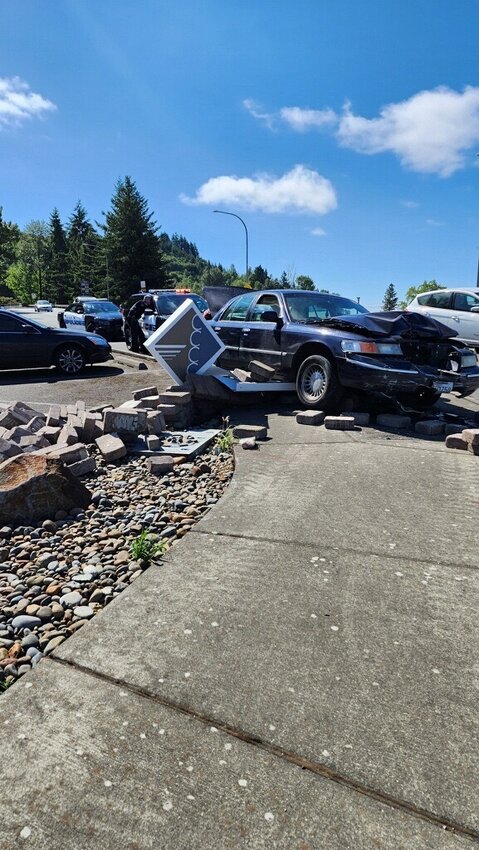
[[300, 672]]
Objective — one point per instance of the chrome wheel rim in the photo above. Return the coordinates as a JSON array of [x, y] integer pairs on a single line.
[[70, 360], [313, 382]]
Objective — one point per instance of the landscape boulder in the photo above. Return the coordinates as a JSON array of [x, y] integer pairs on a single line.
[[35, 487]]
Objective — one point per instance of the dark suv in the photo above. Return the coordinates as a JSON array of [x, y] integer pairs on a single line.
[[166, 302]]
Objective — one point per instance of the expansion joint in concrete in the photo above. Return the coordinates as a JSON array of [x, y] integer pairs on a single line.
[[314, 767], [343, 550]]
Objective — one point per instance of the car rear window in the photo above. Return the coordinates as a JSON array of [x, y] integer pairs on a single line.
[[435, 299]]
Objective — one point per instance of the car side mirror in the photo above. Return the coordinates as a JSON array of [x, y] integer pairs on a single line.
[[475, 309], [272, 316]]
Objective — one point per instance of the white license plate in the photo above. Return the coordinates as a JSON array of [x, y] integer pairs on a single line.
[[443, 386]]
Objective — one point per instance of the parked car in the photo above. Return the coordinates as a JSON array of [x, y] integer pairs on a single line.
[[326, 343], [166, 301], [456, 308], [42, 305], [98, 315], [26, 343]]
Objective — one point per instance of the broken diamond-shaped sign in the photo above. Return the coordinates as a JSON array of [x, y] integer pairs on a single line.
[[185, 343]]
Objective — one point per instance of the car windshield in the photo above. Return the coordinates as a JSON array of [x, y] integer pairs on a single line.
[[311, 307], [100, 307], [167, 304], [43, 302]]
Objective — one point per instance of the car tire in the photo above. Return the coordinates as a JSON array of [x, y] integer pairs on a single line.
[[70, 359], [317, 385], [129, 339]]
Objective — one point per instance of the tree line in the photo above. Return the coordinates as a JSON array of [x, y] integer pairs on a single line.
[[58, 260]]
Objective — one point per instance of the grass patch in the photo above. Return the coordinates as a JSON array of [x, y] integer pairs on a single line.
[[146, 547], [225, 441]]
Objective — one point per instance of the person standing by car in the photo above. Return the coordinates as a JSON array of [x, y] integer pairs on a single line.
[[134, 315]]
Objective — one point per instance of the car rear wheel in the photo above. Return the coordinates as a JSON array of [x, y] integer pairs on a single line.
[[70, 360], [317, 385]]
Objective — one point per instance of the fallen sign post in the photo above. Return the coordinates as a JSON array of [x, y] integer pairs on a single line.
[[186, 344]]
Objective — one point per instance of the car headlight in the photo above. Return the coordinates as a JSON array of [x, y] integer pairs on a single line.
[[468, 358]]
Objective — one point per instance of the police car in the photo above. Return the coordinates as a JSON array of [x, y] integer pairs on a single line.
[[95, 315], [166, 301]]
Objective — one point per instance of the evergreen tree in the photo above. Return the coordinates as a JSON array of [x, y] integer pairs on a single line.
[[390, 300], [131, 242], [86, 259], [57, 271], [9, 236], [259, 278], [305, 282]]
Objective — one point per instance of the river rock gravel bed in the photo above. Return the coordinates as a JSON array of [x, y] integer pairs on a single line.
[[55, 577]]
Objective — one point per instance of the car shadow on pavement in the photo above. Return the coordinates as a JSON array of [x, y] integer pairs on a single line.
[[50, 376]]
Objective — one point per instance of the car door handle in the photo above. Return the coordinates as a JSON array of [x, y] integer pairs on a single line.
[[245, 330], [456, 318], [217, 329]]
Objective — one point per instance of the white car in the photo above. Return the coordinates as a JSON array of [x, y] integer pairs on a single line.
[[44, 306], [456, 308]]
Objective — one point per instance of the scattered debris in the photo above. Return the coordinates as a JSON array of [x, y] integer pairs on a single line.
[[339, 423], [258, 431], [249, 443], [393, 420], [310, 417], [429, 427]]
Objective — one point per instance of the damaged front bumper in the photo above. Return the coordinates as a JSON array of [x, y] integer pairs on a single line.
[[360, 371]]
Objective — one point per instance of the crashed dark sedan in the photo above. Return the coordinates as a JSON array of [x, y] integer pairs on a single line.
[[326, 343]]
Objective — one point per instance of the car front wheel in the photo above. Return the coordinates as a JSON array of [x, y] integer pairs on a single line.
[[70, 360], [317, 385]]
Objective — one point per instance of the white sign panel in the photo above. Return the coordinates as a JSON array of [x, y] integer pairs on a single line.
[[185, 343]]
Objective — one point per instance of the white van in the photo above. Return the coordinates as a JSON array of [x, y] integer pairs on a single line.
[[456, 308]]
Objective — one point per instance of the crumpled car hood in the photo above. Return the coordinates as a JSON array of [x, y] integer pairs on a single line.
[[394, 324]]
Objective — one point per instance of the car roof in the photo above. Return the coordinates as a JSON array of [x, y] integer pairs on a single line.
[[468, 289]]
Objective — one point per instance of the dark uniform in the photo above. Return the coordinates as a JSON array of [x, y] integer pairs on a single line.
[[134, 315]]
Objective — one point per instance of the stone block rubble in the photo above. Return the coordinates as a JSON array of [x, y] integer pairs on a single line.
[[74, 435], [457, 436]]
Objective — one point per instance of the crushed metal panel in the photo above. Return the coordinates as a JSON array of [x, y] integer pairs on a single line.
[[177, 443]]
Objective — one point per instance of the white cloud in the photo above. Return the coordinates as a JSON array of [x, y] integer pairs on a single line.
[[299, 190], [410, 205], [318, 231], [430, 132], [305, 119], [257, 112], [18, 102], [433, 222]]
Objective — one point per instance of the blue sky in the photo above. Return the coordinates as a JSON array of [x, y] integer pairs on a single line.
[[345, 133]]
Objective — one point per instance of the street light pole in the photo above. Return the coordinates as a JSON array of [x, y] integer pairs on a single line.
[[224, 212]]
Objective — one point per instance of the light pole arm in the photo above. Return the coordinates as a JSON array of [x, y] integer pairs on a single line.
[[224, 212]]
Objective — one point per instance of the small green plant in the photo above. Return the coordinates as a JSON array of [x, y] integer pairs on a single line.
[[146, 547], [225, 440]]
